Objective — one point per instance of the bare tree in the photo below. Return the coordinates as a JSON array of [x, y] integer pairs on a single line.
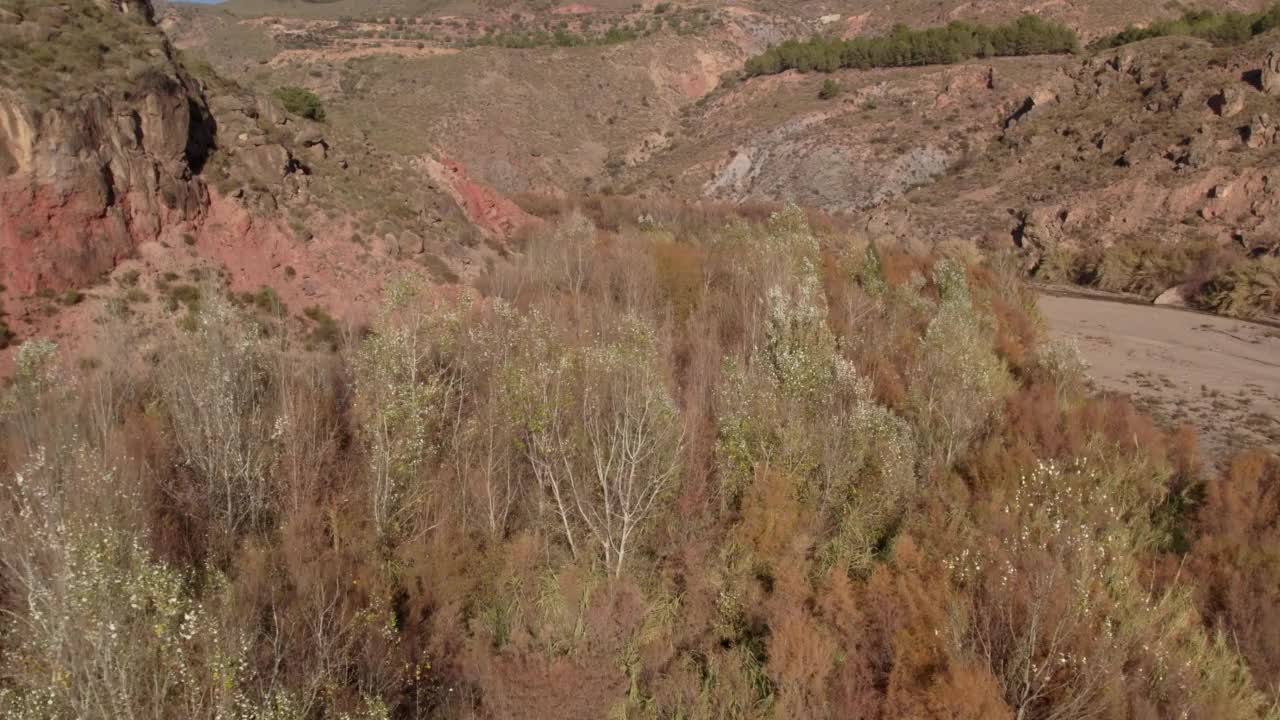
[[308, 428], [216, 387], [404, 404], [610, 445]]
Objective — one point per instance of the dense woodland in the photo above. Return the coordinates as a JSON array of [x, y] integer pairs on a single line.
[[755, 471]]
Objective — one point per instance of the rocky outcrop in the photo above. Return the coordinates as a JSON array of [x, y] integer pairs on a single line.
[[1260, 132], [489, 211], [1270, 75], [84, 181], [1229, 102], [266, 164]]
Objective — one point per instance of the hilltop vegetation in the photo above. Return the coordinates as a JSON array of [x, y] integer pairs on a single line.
[[1232, 28], [904, 47], [748, 471], [57, 51]]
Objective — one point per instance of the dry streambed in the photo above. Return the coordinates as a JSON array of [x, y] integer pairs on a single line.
[[1220, 375]]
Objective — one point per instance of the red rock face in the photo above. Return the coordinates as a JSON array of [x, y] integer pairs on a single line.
[[486, 208], [51, 240], [84, 182]]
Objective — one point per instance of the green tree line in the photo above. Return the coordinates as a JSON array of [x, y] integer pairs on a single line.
[[904, 46], [1232, 28]]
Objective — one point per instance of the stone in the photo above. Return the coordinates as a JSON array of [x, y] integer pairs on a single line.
[[412, 242], [270, 110], [1229, 102], [1260, 132], [390, 246], [1173, 297], [1270, 76], [309, 136], [267, 164]]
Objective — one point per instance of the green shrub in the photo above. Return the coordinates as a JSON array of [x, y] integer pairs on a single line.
[[129, 278], [265, 299], [301, 102], [186, 295], [1250, 288], [326, 331], [830, 89]]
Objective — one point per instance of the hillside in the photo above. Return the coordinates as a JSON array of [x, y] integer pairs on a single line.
[[1090, 17], [399, 360], [127, 171]]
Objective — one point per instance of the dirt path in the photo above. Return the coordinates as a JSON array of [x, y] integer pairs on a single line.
[[1218, 374]]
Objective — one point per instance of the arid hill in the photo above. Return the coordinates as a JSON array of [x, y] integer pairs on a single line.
[[420, 360], [124, 167]]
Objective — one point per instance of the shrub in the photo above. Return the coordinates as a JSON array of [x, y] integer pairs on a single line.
[[830, 89], [403, 406], [301, 102], [326, 331], [1249, 288], [959, 381], [214, 387], [701, 461]]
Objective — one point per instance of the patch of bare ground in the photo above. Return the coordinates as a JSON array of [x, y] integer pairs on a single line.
[[1221, 376], [356, 50]]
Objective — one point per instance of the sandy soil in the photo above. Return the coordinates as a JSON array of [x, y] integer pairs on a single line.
[[1218, 374]]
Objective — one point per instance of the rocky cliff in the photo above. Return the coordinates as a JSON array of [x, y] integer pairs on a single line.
[[100, 142]]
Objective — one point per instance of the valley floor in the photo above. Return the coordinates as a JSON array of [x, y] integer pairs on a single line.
[[1218, 374]]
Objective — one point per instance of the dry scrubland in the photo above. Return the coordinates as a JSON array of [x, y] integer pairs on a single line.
[[757, 472], [650, 458]]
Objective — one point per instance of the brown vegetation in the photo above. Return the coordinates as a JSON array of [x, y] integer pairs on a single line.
[[758, 472]]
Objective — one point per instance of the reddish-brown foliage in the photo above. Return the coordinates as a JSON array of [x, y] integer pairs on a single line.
[[1235, 561]]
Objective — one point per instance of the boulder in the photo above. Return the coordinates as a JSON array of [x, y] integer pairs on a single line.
[[223, 105], [411, 242], [267, 164], [1260, 132], [1195, 151], [1270, 75], [309, 136], [1229, 102], [1173, 297], [270, 110]]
